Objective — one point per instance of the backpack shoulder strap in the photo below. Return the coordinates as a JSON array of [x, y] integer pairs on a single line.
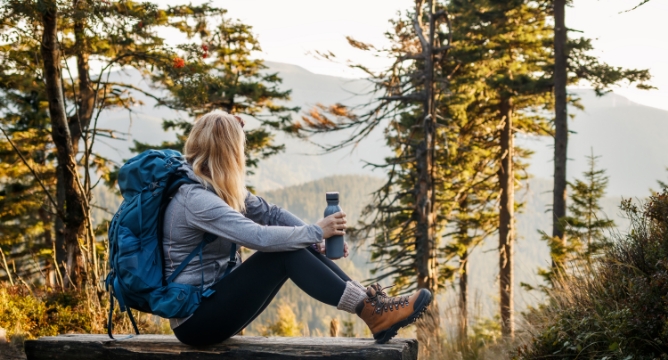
[[171, 187]]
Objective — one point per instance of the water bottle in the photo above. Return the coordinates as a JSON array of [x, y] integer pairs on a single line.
[[334, 244]]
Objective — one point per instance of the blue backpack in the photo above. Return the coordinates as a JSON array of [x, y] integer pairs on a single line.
[[148, 181]]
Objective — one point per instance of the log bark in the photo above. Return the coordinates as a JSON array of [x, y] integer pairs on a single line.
[[154, 347], [506, 219], [560, 121]]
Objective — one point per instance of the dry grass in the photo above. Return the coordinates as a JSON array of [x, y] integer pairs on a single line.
[[617, 308]]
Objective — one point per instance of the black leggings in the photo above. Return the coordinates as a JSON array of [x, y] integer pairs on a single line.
[[243, 294]]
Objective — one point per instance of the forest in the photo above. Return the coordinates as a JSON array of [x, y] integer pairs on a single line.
[[442, 196]]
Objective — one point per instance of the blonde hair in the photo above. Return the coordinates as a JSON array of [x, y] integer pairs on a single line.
[[215, 149]]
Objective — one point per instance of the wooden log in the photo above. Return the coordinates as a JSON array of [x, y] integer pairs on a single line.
[[158, 347]]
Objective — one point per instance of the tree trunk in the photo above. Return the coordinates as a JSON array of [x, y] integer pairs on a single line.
[[74, 202], [60, 248], [506, 219], [428, 327], [560, 121], [81, 122], [86, 100], [464, 297], [464, 239], [45, 218]]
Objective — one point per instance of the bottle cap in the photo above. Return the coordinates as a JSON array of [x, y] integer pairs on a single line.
[[332, 196]]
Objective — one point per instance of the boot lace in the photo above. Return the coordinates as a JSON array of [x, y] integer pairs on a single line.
[[382, 302]]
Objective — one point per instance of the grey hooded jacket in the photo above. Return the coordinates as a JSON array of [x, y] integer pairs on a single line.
[[194, 211]]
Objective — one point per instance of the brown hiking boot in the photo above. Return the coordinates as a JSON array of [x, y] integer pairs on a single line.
[[385, 315]]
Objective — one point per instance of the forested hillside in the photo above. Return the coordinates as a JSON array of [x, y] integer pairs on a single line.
[[613, 126]]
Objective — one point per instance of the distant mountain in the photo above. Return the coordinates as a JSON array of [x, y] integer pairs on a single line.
[[297, 165], [629, 137]]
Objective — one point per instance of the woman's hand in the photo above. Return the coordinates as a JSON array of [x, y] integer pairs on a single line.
[[332, 225], [320, 247]]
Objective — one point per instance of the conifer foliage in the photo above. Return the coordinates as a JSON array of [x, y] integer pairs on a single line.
[[51, 100], [490, 84], [486, 107], [585, 226], [218, 72]]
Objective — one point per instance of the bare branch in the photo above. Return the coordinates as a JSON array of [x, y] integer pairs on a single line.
[[635, 7], [441, 49], [409, 97], [411, 57], [417, 25]]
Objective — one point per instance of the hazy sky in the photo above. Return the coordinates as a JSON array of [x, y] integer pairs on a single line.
[[292, 30]]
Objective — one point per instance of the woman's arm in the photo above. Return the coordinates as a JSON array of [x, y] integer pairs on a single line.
[[209, 213], [262, 212]]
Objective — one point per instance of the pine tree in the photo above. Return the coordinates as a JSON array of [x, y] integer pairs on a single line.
[[573, 63], [404, 218], [26, 234], [583, 222], [219, 72], [584, 225], [40, 37], [507, 48]]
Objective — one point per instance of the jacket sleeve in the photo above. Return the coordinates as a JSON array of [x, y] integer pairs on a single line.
[[209, 213], [262, 212]]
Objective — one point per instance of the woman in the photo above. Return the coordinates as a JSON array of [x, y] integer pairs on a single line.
[[219, 204]]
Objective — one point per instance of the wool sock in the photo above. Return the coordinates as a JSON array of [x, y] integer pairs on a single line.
[[358, 284], [352, 296]]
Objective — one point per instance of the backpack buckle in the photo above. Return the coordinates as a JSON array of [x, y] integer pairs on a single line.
[[208, 292]]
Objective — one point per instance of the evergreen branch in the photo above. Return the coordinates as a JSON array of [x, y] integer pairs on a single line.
[[34, 173]]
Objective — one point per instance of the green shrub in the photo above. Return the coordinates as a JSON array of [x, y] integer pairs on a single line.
[[30, 313], [27, 315], [618, 307]]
